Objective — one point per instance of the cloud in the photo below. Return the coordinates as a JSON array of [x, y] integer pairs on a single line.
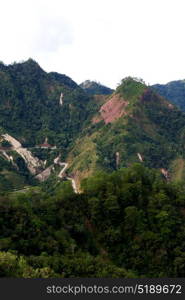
[[104, 40], [51, 34]]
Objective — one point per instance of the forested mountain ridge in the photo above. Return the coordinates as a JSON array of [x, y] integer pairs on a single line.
[[174, 91], [35, 105]]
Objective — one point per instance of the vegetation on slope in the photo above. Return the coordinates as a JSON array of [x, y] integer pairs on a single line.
[[126, 223], [150, 126], [129, 223], [174, 91], [14, 176], [30, 106]]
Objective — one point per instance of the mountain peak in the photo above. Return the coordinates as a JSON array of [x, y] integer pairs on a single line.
[[95, 88], [131, 88], [87, 84], [29, 65], [31, 61]]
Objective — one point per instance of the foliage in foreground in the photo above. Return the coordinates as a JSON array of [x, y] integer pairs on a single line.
[[129, 223]]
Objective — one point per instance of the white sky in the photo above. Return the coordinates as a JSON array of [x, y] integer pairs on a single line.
[[103, 40]]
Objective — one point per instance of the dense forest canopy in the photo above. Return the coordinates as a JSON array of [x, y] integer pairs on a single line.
[[30, 104], [129, 223]]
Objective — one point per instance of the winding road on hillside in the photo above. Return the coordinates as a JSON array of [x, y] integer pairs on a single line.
[[60, 175], [33, 163]]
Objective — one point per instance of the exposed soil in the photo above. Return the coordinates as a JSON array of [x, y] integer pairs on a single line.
[[170, 105], [165, 173], [140, 157], [112, 110], [45, 174], [33, 163]]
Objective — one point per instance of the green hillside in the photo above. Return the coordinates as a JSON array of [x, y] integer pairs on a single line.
[[129, 223], [35, 106], [147, 127], [174, 91], [30, 107]]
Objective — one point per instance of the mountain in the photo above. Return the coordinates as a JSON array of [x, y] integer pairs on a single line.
[[56, 123], [174, 91], [35, 104], [134, 124], [95, 88], [90, 185]]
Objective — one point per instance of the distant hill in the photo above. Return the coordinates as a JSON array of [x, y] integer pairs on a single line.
[[95, 88], [173, 91]]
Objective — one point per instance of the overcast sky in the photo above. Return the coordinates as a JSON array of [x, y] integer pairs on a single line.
[[103, 40]]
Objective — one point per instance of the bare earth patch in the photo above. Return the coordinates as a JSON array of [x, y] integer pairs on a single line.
[[112, 110], [170, 105], [165, 173]]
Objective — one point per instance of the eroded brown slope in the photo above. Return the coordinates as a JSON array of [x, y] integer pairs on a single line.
[[112, 110]]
